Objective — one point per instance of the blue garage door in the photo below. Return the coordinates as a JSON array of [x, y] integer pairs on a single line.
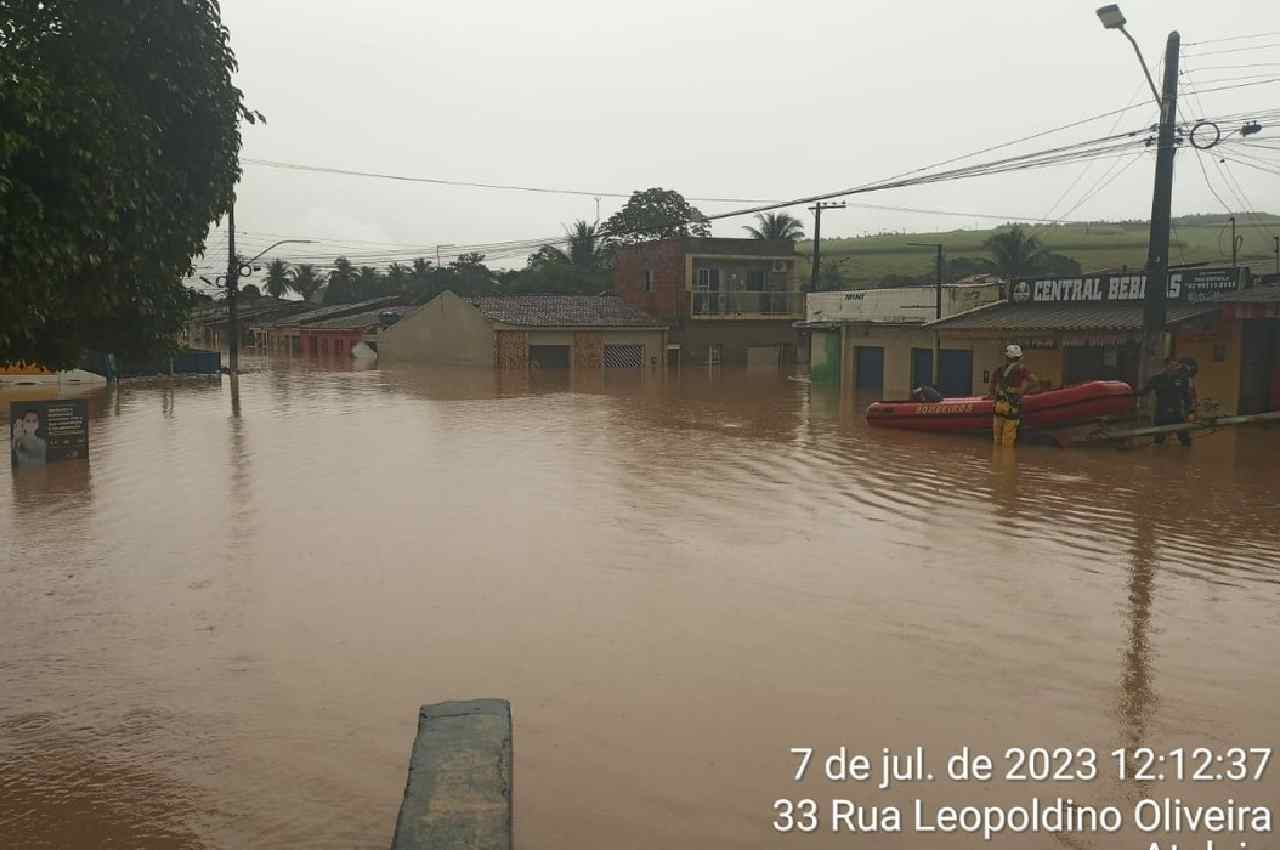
[[870, 367], [957, 373], [921, 367]]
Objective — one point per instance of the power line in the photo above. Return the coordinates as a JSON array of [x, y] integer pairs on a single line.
[[1089, 167], [473, 184], [1100, 185], [1233, 50], [1231, 38]]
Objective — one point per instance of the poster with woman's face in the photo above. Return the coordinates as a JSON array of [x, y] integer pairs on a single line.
[[29, 445], [43, 432]]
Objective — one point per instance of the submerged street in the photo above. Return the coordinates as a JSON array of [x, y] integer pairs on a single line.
[[217, 633]]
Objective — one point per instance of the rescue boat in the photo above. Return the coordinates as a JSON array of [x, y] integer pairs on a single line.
[[1073, 405]]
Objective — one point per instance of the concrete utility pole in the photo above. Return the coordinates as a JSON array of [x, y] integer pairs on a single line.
[[937, 309], [233, 292], [1235, 242], [817, 240], [1155, 306]]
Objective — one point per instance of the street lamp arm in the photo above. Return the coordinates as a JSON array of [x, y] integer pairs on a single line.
[[277, 245], [1155, 92]]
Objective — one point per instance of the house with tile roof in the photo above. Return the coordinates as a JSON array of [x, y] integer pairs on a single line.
[[523, 331], [334, 329]]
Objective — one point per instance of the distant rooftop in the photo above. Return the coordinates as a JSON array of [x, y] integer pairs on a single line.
[[360, 320], [563, 311], [335, 310]]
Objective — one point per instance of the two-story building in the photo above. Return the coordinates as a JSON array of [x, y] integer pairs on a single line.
[[727, 301]]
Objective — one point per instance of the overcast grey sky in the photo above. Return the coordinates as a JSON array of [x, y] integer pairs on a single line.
[[712, 98]]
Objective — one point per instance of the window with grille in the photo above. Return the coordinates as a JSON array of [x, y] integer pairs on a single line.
[[623, 356]]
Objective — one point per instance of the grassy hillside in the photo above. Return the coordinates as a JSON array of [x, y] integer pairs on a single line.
[[1096, 245]]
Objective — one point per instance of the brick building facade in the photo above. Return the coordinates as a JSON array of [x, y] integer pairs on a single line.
[[728, 301]]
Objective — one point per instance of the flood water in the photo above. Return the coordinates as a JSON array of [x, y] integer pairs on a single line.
[[217, 633]]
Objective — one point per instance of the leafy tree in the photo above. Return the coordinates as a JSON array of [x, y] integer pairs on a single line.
[[958, 268], [776, 226], [306, 281], [1058, 264], [1014, 252], [277, 283], [654, 214], [250, 292], [831, 275], [342, 283], [119, 143], [397, 281], [467, 275], [370, 283]]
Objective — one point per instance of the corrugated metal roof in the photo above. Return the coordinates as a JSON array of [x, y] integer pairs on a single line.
[[564, 311], [359, 320], [335, 310], [1007, 316]]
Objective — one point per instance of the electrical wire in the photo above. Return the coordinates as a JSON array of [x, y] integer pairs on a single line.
[[473, 184], [1089, 166], [1233, 50], [1230, 38]]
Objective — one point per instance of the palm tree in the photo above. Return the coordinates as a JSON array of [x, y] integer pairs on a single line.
[[776, 226], [277, 282], [1015, 252], [306, 282], [585, 248]]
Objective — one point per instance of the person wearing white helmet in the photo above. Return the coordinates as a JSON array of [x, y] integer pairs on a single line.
[[1009, 384]]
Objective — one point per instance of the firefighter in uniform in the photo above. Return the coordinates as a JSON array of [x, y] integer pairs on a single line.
[[1008, 385]]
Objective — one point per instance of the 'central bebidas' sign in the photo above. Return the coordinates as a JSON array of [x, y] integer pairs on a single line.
[[1186, 285]]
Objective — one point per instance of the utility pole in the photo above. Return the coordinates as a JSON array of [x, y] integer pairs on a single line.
[[1155, 303], [817, 240], [937, 309], [1235, 242], [233, 291]]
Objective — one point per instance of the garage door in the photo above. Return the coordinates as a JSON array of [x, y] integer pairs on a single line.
[[869, 361], [623, 356], [762, 356]]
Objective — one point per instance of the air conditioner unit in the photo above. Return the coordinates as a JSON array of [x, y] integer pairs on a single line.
[[779, 265]]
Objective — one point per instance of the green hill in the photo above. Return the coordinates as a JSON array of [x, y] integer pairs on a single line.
[[868, 260]]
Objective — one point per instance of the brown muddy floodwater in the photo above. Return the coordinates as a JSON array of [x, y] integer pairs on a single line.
[[217, 633]]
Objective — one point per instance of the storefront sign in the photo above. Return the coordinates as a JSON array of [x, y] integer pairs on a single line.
[[43, 432], [1188, 285]]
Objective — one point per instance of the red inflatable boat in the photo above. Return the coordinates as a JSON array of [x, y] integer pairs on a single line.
[[1072, 405]]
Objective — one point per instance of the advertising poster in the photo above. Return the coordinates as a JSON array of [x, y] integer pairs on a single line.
[[42, 432]]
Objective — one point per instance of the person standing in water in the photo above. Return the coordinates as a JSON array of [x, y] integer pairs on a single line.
[[1009, 384], [1175, 398]]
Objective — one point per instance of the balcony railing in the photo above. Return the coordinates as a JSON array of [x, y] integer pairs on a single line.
[[736, 305]]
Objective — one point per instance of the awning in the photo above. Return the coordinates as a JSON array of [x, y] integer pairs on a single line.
[[1109, 318]]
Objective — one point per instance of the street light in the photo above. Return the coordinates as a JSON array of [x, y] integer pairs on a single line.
[[443, 245], [1154, 307], [1113, 19], [248, 264]]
